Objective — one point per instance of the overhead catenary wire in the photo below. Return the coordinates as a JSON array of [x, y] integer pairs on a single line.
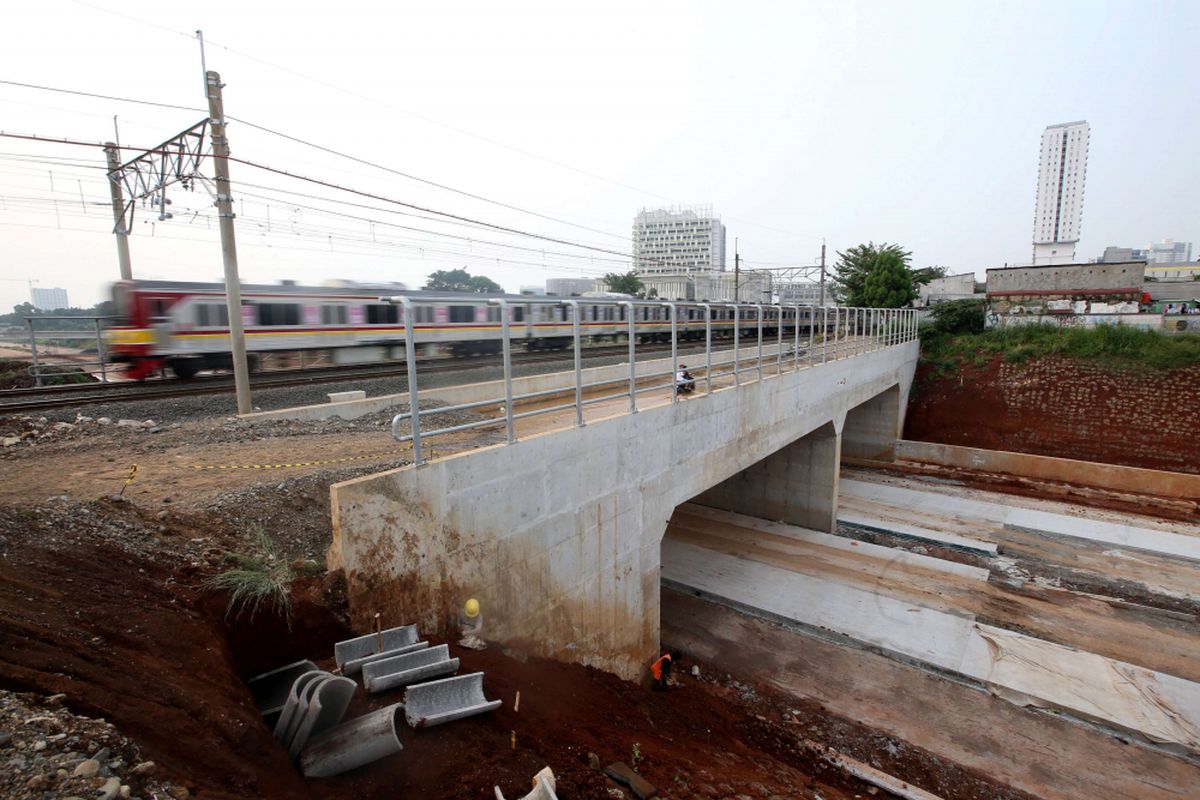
[[358, 192], [325, 149]]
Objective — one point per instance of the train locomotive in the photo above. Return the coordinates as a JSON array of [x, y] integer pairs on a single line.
[[184, 327]]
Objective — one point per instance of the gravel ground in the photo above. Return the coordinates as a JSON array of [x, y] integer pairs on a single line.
[[180, 409], [47, 752]]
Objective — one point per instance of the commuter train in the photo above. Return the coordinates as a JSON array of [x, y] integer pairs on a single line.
[[184, 326]]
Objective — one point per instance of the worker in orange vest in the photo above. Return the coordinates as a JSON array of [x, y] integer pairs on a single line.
[[661, 671]]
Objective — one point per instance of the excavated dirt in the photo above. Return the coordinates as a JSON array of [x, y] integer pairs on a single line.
[[103, 602]]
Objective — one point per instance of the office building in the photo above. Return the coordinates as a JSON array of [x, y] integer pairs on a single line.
[[1058, 215], [678, 241], [1168, 251], [572, 287], [48, 299]]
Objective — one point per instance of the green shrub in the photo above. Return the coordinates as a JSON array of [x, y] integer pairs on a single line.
[[259, 579]]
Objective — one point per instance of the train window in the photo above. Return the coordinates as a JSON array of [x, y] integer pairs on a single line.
[[493, 314], [382, 314], [423, 314], [211, 315], [518, 313], [278, 314], [610, 313], [462, 313], [623, 317], [333, 315], [158, 309]]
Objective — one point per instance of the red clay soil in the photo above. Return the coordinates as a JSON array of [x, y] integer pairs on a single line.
[[132, 638], [1065, 408]]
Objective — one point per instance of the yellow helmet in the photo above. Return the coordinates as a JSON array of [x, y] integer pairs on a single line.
[[471, 609]]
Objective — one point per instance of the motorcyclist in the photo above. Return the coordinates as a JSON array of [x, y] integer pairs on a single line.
[[685, 383]]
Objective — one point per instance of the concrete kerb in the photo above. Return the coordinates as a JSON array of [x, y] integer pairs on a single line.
[[351, 654], [352, 744], [437, 702], [291, 710], [328, 705], [402, 670], [270, 690]]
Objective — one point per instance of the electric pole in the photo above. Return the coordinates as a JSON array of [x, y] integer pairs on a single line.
[[737, 272], [113, 153], [233, 289], [822, 272]]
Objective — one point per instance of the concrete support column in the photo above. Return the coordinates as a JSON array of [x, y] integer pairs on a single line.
[[873, 428], [797, 485]]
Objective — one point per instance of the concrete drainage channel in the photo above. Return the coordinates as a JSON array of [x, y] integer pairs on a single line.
[[305, 706]]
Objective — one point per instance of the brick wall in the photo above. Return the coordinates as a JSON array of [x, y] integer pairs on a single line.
[[1070, 409]]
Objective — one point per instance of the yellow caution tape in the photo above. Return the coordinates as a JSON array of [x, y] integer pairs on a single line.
[[293, 464]]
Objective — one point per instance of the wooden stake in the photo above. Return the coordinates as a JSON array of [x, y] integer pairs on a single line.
[[514, 740], [517, 704], [378, 633]]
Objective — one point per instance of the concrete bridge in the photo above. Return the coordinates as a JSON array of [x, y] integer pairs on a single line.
[[558, 531]]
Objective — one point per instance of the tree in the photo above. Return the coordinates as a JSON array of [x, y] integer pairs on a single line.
[[627, 283], [855, 264], [926, 274], [889, 284], [459, 280]]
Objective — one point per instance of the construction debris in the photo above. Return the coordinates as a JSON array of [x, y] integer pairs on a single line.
[[352, 744], [436, 702], [543, 787], [401, 670], [271, 689], [623, 774], [351, 654]]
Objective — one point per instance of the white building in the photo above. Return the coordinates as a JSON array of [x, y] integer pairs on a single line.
[[570, 287], [49, 299], [1168, 251], [1058, 216], [678, 241]]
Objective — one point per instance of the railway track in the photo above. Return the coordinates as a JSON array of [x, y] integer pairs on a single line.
[[17, 401]]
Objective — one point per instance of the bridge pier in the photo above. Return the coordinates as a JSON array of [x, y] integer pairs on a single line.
[[797, 484]]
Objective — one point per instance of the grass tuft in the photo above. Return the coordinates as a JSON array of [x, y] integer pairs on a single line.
[[257, 580]]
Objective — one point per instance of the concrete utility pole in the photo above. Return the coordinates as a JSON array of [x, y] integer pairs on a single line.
[[113, 153], [822, 272], [233, 288]]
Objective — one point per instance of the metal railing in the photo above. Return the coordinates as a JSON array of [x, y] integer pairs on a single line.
[[841, 332], [41, 369]]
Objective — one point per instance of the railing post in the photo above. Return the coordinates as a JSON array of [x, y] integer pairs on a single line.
[[707, 346], [837, 329], [629, 311], [674, 351], [37, 368], [506, 350], [100, 351], [812, 335], [796, 340], [737, 377], [574, 304], [824, 334], [778, 340], [410, 363], [758, 315]]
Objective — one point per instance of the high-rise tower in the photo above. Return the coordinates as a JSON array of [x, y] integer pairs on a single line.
[[1059, 213]]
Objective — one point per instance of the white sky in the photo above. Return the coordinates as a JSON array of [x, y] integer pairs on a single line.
[[909, 122]]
